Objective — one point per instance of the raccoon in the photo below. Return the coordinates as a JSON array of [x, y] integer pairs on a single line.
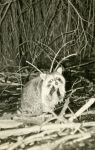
[[42, 93]]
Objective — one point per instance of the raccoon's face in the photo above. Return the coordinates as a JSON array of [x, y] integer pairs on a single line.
[[53, 88]]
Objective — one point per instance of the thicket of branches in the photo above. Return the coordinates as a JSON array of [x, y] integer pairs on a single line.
[[35, 30]]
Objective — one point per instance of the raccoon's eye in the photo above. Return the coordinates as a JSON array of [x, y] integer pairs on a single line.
[[50, 80], [48, 85], [59, 79]]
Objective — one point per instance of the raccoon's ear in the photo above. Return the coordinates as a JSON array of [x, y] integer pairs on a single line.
[[43, 76], [59, 70]]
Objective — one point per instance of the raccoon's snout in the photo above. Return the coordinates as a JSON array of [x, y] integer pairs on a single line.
[[53, 90]]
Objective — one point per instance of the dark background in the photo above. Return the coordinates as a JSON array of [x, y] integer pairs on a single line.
[[35, 30]]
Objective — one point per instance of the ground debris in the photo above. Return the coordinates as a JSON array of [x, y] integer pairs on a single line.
[[72, 126]]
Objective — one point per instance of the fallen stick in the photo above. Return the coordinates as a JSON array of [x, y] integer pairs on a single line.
[[82, 109], [65, 107], [5, 124], [36, 129], [54, 144], [32, 139], [4, 146], [90, 112]]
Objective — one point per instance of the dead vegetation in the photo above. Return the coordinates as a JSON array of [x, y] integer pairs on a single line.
[[50, 131], [47, 34]]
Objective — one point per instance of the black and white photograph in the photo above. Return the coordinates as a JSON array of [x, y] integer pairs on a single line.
[[47, 74]]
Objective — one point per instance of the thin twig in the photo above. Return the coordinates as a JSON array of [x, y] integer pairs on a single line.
[[82, 65], [78, 13], [9, 4], [56, 55], [33, 66], [63, 59]]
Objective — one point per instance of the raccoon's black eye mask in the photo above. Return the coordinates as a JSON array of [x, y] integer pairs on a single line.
[[59, 80], [50, 81], [48, 85], [56, 79]]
